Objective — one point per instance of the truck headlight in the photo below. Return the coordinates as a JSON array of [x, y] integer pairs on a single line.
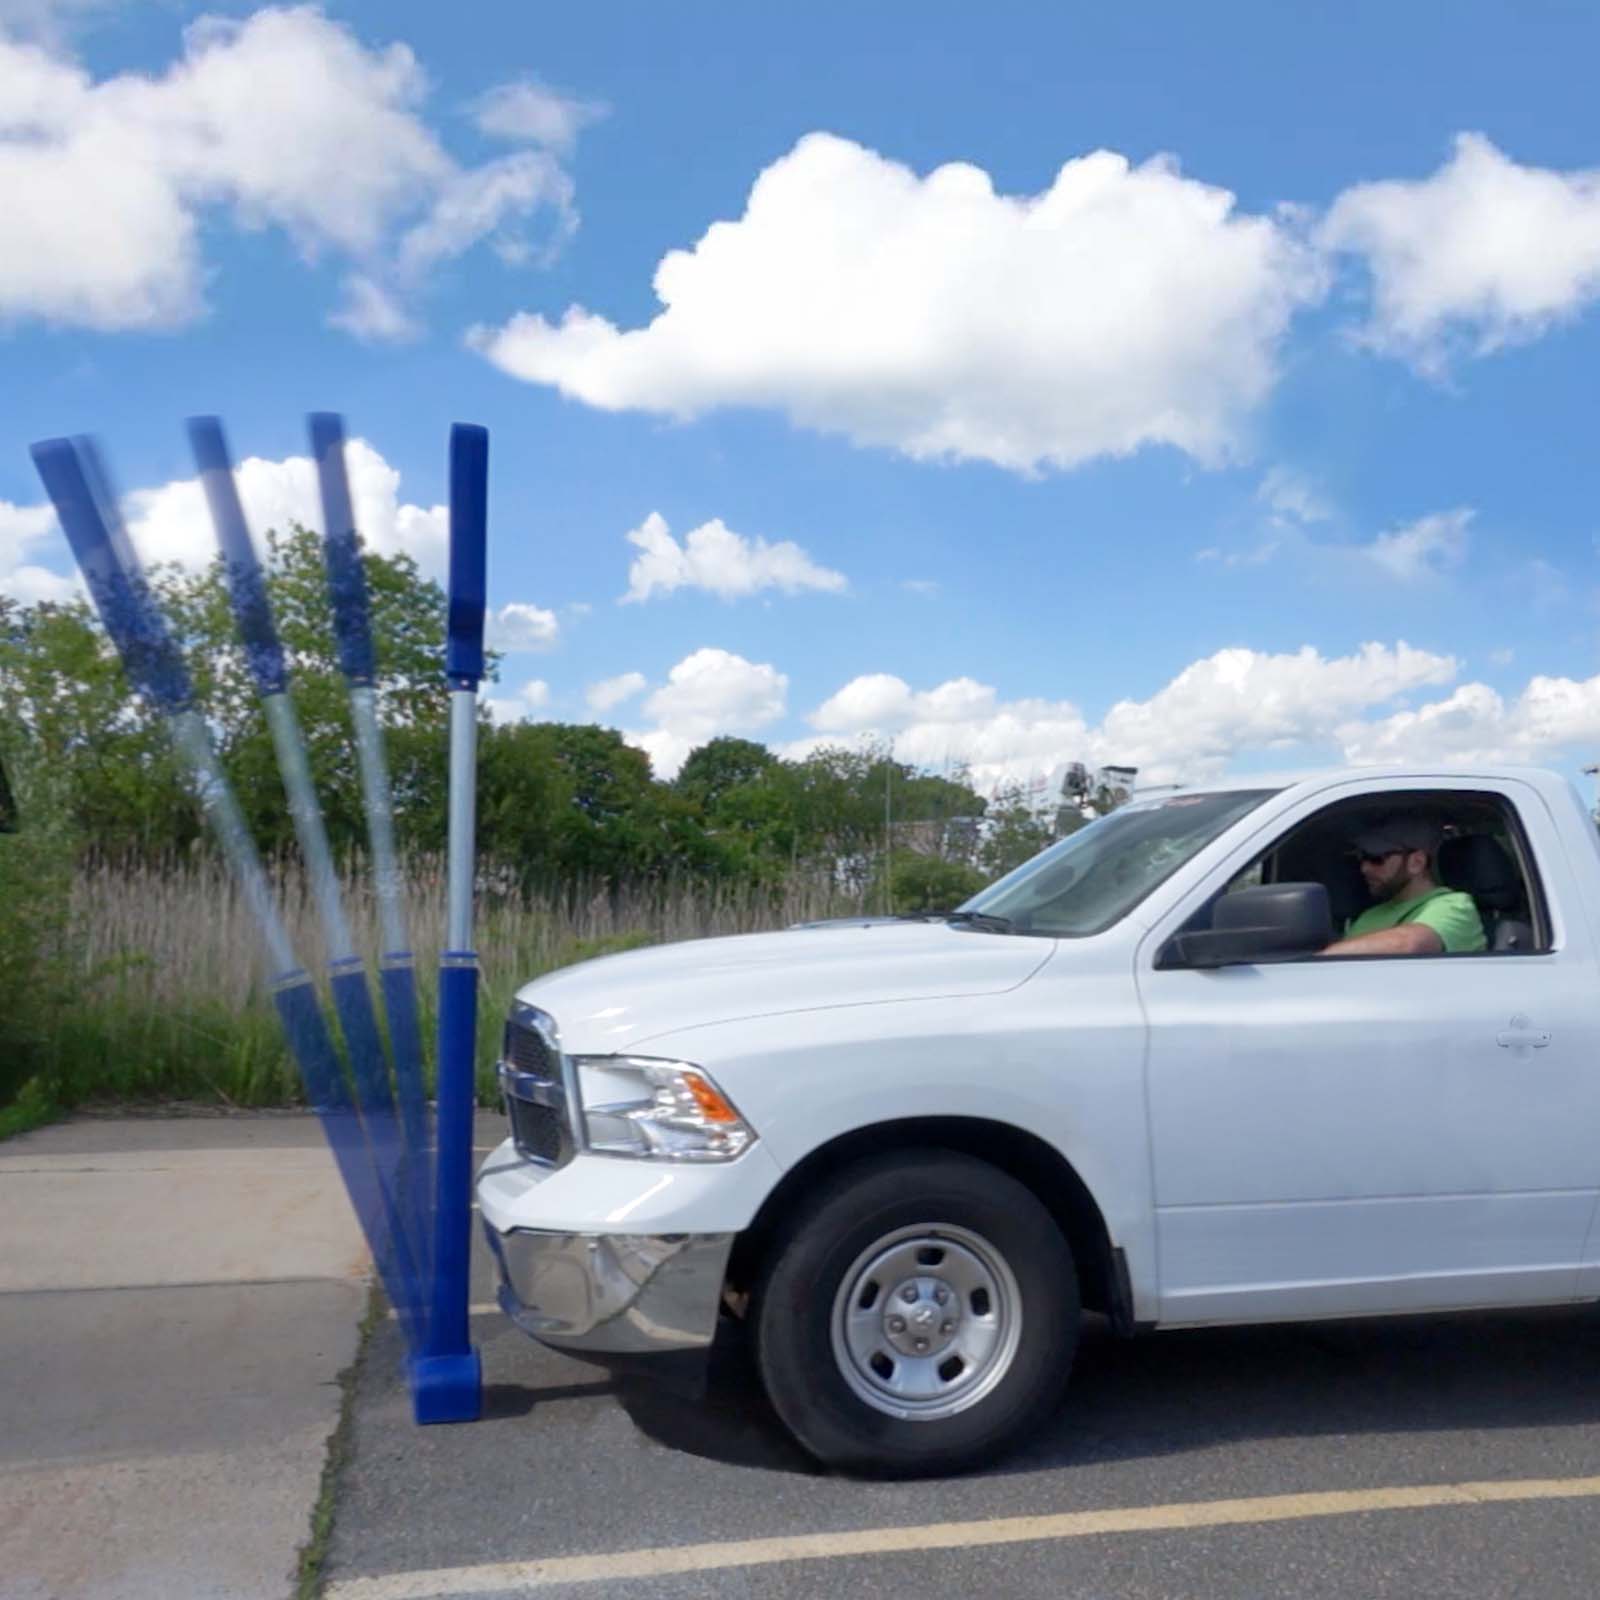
[[659, 1110]]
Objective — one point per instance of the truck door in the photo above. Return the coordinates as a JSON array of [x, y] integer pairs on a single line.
[[1381, 1134]]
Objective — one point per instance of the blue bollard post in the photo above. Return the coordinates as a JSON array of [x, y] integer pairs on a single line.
[[402, 1140], [447, 1380], [395, 1158], [75, 478]]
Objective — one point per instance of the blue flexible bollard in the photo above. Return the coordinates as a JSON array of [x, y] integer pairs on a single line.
[[76, 481], [347, 592], [406, 1222], [447, 1381]]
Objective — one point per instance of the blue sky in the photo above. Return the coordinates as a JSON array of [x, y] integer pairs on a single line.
[[1202, 388]]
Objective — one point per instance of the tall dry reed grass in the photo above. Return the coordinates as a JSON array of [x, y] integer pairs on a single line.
[[170, 989]]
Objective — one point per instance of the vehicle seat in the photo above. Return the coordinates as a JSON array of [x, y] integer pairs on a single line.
[[1347, 892], [1477, 864]]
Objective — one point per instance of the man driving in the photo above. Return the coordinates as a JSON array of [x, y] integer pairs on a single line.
[[1413, 915]]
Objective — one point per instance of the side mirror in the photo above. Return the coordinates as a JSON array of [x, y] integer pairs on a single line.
[[1275, 921]]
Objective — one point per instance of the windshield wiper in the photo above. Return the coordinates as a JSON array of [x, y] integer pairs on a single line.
[[986, 920]]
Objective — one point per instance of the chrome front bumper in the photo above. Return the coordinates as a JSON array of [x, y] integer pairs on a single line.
[[612, 1294]]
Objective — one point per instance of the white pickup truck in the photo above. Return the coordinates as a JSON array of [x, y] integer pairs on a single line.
[[909, 1154]]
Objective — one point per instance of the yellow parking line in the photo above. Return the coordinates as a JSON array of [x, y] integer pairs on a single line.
[[452, 1583]]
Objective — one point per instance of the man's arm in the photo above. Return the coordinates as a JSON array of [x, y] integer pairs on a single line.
[[1408, 939]]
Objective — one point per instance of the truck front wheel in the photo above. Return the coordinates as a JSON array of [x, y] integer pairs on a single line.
[[918, 1315]]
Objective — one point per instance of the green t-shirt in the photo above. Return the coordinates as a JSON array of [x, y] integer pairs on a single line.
[[1450, 913]]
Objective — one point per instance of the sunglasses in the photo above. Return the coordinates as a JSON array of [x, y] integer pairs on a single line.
[[1368, 859]]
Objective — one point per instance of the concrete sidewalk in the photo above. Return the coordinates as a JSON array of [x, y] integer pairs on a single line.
[[177, 1299]]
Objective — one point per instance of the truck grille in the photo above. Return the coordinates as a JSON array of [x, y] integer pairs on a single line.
[[528, 1050], [538, 1131], [534, 1083]]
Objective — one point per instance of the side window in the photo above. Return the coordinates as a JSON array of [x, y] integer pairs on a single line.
[[1497, 868], [1479, 850], [1252, 877]]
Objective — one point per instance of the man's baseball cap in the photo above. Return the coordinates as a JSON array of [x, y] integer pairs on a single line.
[[1389, 834]]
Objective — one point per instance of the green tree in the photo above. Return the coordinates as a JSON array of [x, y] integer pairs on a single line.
[[836, 798], [712, 770], [926, 883], [938, 813], [747, 806], [80, 746], [37, 974], [564, 804], [1017, 831], [407, 616], [79, 735], [522, 794]]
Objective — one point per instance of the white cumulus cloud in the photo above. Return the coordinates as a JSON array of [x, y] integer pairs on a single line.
[[21, 529], [879, 700], [519, 626], [1427, 547], [27, 532], [529, 110], [1122, 306], [372, 312], [532, 696], [1483, 253], [470, 206], [1423, 548], [710, 692], [1549, 718], [1241, 699], [1291, 499], [609, 692], [171, 521], [724, 563], [1233, 702], [958, 723], [47, 21], [282, 120]]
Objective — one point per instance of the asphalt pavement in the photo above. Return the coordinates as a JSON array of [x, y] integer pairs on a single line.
[[177, 1301], [1340, 1449]]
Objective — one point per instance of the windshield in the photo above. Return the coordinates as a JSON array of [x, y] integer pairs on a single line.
[[1095, 876]]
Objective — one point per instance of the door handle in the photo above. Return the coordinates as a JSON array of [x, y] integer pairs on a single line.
[[1521, 1037]]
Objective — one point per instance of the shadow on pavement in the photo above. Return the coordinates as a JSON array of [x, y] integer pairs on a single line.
[[519, 1400], [732, 1422], [1169, 1393]]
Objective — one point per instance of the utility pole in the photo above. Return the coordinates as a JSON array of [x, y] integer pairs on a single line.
[[888, 832]]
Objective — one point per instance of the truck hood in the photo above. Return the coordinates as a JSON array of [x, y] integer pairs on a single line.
[[618, 1002]]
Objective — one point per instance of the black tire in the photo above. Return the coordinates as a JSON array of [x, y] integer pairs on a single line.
[[798, 1316]]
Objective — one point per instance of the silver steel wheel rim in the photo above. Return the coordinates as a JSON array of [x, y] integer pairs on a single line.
[[926, 1322]]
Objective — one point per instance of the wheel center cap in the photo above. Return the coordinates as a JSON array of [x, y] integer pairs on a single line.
[[921, 1317]]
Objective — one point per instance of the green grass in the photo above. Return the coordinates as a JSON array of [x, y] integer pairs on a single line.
[[33, 1108], [118, 1048]]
